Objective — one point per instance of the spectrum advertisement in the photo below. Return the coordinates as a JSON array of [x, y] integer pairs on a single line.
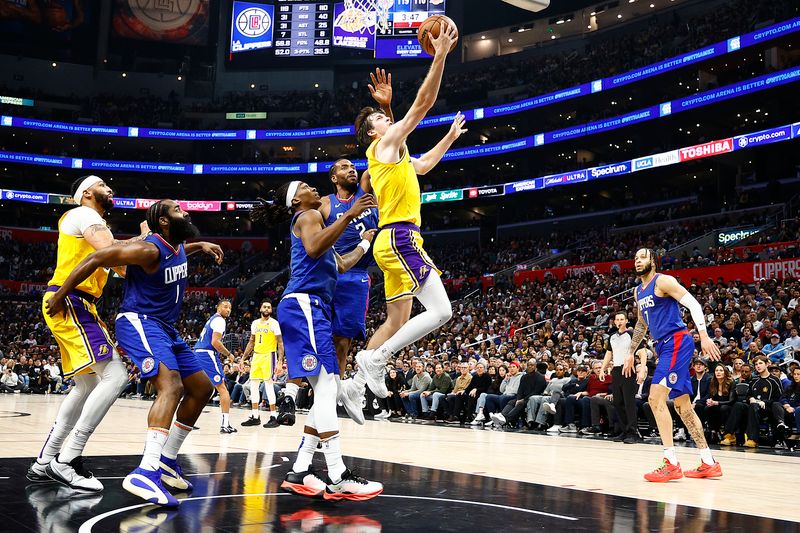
[[716, 50], [672, 157]]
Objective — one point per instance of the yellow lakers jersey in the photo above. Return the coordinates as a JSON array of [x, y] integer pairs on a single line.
[[266, 335], [71, 251], [396, 188]]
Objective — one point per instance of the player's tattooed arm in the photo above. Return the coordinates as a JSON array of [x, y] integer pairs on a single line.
[[638, 336], [347, 261]]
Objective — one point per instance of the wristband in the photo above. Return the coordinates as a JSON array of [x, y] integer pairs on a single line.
[[364, 245]]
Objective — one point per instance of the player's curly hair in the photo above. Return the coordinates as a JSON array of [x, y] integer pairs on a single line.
[[154, 212], [363, 125], [273, 210]]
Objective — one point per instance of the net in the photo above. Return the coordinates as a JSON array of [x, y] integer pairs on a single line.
[[359, 16]]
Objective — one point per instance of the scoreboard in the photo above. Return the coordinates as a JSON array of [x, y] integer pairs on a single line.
[[309, 28], [303, 28]]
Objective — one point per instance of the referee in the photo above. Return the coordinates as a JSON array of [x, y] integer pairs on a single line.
[[623, 389]]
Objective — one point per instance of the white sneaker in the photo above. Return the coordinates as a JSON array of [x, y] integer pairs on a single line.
[[352, 397], [352, 487], [478, 419], [383, 415], [554, 429], [373, 372], [498, 419], [549, 407], [73, 475], [569, 428]]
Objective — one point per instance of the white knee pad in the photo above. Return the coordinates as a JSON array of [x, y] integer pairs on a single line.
[[112, 372], [269, 389], [434, 297], [325, 390], [255, 397]]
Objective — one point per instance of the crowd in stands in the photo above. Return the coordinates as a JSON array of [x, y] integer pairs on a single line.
[[543, 71]]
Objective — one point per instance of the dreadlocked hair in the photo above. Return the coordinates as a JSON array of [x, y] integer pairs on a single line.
[[363, 125], [272, 210], [154, 212]]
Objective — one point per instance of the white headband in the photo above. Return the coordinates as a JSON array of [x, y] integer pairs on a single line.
[[87, 183], [291, 192]]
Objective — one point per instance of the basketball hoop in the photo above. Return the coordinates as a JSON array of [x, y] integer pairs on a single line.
[[359, 16]]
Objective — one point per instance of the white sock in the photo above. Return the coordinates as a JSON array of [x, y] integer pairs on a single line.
[[333, 457], [705, 455], [291, 391], [669, 454], [273, 414], [75, 444], [226, 420], [254, 413], [68, 415], [153, 446], [305, 454], [177, 435]]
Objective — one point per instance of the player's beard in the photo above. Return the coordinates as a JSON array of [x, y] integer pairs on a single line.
[[646, 269], [181, 229], [265, 315], [103, 200], [349, 186]]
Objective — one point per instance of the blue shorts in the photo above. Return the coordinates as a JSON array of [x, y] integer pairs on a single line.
[[305, 322], [149, 342], [350, 303], [209, 362], [675, 353]]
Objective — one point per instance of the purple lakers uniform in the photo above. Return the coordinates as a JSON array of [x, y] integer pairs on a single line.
[[673, 343]]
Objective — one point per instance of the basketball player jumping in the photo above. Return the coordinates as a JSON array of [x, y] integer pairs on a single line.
[[657, 299], [304, 314], [265, 343], [207, 350], [407, 269], [156, 279], [87, 352]]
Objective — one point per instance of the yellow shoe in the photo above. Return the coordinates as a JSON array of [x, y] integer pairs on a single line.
[[729, 440], [750, 443]]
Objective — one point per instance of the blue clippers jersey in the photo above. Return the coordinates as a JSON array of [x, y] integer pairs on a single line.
[[158, 295], [204, 342], [352, 235], [661, 314], [311, 276]]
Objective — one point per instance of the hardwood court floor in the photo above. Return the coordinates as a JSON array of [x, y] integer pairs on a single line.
[[469, 462]]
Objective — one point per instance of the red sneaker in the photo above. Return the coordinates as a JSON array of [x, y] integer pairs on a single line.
[[666, 472], [705, 470]]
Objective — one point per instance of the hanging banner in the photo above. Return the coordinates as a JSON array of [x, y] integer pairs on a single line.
[[176, 21]]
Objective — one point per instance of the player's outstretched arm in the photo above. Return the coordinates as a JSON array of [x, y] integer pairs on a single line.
[[381, 90], [670, 286], [207, 248], [317, 238], [145, 254], [216, 342], [347, 261], [430, 159], [426, 96]]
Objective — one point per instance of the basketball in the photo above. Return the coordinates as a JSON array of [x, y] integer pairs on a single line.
[[430, 29]]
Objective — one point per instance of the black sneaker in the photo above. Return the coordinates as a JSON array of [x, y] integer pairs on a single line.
[[286, 412], [272, 423], [631, 438], [227, 429], [618, 437], [307, 483], [38, 475], [252, 421]]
